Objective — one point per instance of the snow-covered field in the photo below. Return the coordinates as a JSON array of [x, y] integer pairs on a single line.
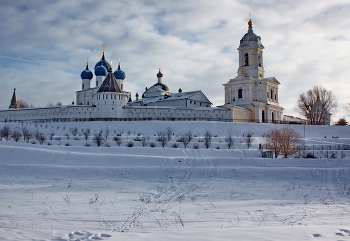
[[67, 190]]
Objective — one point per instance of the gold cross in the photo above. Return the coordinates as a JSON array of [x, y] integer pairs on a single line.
[[118, 61], [103, 47], [87, 61]]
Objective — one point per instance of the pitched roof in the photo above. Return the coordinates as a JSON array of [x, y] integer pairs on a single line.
[[170, 97], [110, 84]]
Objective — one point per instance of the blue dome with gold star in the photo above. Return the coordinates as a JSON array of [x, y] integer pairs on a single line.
[[86, 74], [103, 62], [119, 74]]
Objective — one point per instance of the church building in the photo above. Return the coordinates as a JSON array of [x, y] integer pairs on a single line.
[[249, 97], [251, 90]]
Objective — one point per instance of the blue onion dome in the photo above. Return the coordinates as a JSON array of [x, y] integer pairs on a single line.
[[119, 74], [101, 70], [103, 62], [86, 74], [159, 75]]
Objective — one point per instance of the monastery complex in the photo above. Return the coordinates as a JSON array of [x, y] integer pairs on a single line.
[[249, 97]]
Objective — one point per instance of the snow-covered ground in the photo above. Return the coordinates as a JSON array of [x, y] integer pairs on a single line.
[[67, 190]]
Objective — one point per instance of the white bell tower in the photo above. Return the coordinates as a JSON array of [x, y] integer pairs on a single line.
[[250, 89], [251, 55]]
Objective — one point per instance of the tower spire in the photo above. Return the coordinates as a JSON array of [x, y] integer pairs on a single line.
[[14, 101], [103, 52], [250, 24]]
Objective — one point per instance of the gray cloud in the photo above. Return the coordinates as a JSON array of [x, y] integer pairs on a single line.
[[194, 42]]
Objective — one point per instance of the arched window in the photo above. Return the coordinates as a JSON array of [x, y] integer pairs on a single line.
[[263, 116], [246, 59], [259, 59], [240, 94]]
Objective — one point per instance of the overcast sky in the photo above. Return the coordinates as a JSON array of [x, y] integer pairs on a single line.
[[44, 45]]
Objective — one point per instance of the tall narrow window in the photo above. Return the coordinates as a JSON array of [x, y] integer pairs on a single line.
[[263, 116], [240, 94], [246, 59], [271, 91], [259, 59]]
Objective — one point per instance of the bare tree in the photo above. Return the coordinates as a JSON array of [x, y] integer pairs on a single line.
[[98, 138], [347, 108], [248, 138], [341, 122], [285, 141], [106, 132], [120, 132], [27, 134], [16, 135], [186, 138], [145, 140], [59, 103], [22, 104], [51, 135], [162, 137], [86, 133], [118, 140], [41, 138], [207, 139], [317, 105], [5, 132], [50, 104], [74, 131], [229, 139], [169, 133]]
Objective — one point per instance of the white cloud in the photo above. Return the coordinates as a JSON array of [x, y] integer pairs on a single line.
[[195, 42]]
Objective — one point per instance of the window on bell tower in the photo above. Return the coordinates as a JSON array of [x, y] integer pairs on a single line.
[[246, 59], [240, 94]]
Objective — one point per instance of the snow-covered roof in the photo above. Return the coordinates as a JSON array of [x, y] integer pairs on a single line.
[[168, 97], [177, 108]]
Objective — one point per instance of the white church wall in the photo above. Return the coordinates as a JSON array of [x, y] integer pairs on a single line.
[[147, 113]]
